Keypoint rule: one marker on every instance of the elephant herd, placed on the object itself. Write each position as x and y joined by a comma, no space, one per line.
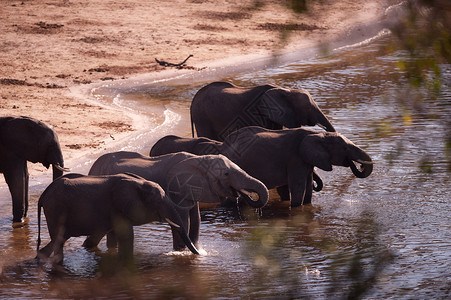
249,140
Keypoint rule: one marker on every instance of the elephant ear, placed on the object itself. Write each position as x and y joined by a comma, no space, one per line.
186,184
275,106
313,152
127,200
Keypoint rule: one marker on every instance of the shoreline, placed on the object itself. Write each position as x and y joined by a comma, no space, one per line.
48,87
357,35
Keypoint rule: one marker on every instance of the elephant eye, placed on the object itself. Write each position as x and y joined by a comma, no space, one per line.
226,173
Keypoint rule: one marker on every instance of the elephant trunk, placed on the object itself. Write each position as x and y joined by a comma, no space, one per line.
319,182
184,236
366,167
54,157
168,211
253,185
57,171
324,123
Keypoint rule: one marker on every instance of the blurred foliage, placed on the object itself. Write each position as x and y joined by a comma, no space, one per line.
425,33
352,268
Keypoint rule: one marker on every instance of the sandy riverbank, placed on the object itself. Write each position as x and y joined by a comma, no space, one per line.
51,47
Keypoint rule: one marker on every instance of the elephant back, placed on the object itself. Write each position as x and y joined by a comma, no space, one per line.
20,135
212,101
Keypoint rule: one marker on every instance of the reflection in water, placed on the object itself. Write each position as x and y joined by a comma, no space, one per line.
390,230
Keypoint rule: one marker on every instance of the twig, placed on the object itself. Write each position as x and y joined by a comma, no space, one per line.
168,64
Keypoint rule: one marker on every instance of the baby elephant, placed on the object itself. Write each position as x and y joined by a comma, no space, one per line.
78,205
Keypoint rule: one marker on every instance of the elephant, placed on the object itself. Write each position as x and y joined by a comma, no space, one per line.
220,108
202,146
283,157
187,179
174,144
79,205
25,139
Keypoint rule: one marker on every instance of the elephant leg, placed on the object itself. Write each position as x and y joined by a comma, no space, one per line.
125,241
284,192
16,176
58,251
111,241
194,224
58,236
93,240
308,189
46,251
300,184
112,235
55,247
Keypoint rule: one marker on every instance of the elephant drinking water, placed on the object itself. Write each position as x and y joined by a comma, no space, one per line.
280,157
187,179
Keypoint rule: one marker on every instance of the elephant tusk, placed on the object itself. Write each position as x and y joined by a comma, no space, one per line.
172,223
364,162
245,192
249,194
57,166
321,126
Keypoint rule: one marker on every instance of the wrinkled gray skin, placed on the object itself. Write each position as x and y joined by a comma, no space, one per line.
221,108
25,139
187,179
78,205
283,157
202,146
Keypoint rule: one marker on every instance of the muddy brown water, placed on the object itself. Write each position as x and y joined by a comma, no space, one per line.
388,235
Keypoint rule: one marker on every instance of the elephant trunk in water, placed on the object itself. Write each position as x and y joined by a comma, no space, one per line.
184,236
366,165
170,214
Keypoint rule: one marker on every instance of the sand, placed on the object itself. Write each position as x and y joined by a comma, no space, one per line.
50,48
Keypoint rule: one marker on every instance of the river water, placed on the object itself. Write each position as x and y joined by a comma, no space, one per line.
385,236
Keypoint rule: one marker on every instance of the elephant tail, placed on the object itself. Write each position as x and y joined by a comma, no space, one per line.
39,225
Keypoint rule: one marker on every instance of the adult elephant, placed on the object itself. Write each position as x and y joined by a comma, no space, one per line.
78,205
202,146
285,157
187,180
220,108
25,139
